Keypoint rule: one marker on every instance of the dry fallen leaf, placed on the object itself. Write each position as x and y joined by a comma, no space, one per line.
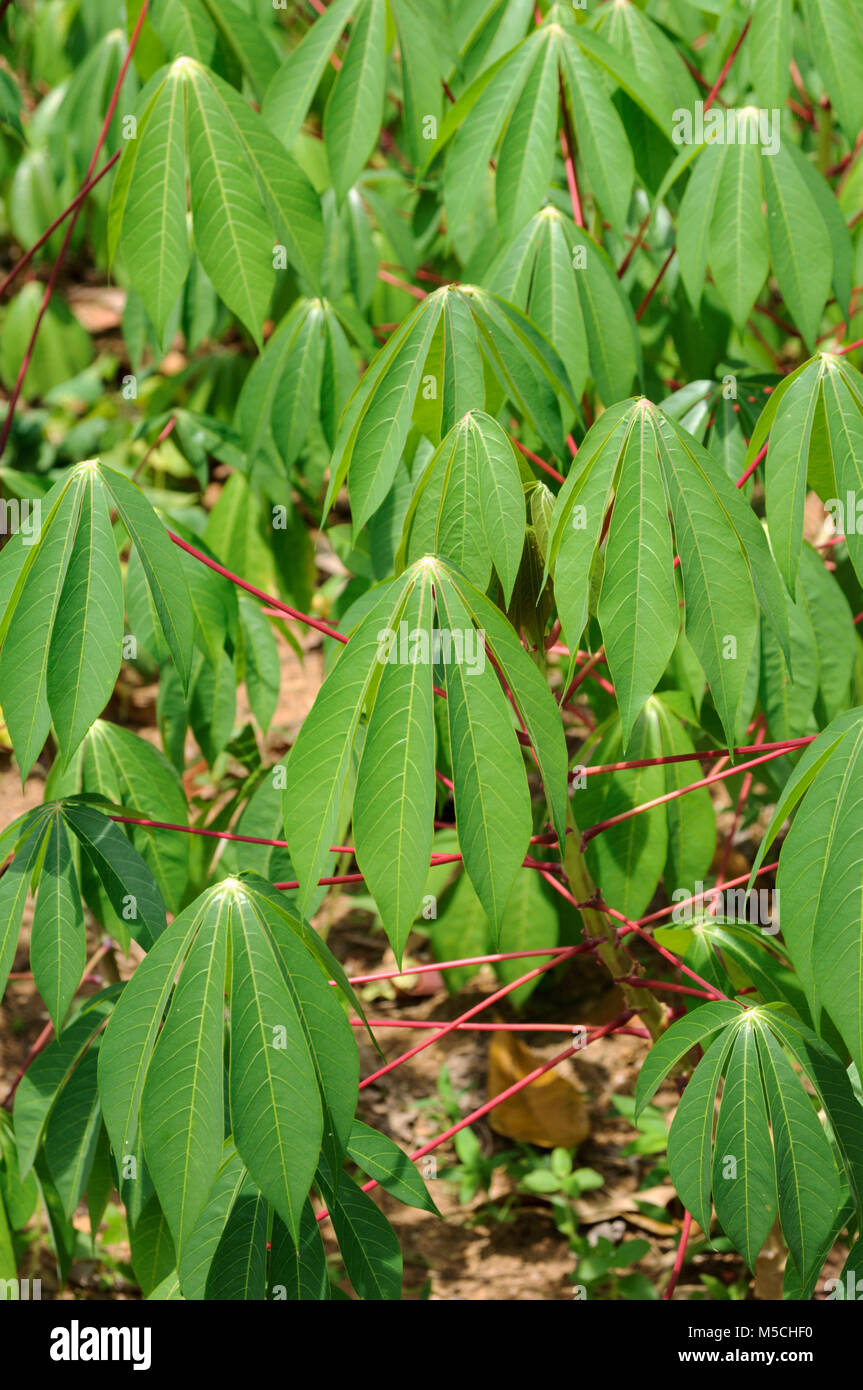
550,1112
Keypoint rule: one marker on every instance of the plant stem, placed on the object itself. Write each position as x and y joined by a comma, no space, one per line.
597,926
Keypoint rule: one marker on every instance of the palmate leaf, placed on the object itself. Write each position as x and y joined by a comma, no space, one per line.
770,1150
468,506
492,803
134,775
721,225
725,563
377,418
306,360
124,876
565,282
242,191
293,1060
814,421
514,103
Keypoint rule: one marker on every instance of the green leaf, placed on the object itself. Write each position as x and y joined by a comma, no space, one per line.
696,218
147,216
527,150
395,797
418,39
579,512
834,1089
128,883
72,1133
738,251
271,411
353,114
14,888
769,50
638,610
238,1271
29,623
602,142
833,626
786,468
127,1048
232,237
691,819
744,1169
807,1180
813,759
290,92
287,194
299,1270
821,889
627,858
800,245
690,1139
368,1244
844,415
43,1082
197,1254
477,119
182,1112
721,607
58,946
86,642
380,1157
319,760
250,42
491,798
679,1039
835,35
329,1037
534,702
134,775
153,1256
165,578
275,1104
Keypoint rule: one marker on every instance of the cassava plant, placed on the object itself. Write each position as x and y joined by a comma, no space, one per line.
506,351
